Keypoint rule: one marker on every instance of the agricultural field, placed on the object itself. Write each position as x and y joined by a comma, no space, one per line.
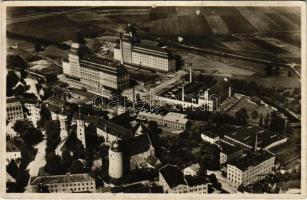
211,66
291,49
47,28
217,25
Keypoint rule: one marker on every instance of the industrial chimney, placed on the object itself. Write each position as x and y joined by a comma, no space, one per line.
121,49
256,142
182,95
190,73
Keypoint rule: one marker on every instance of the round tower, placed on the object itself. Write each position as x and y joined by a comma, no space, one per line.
63,126
116,168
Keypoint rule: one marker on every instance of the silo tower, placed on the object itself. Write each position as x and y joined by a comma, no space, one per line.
63,124
116,164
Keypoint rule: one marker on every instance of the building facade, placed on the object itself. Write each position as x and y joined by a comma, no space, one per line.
34,112
94,72
144,56
173,181
14,110
171,119
70,183
251,168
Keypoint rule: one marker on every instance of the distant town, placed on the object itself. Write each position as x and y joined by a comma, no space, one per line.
153,100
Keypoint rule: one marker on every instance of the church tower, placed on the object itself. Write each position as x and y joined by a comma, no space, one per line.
63,125
116,164
81,130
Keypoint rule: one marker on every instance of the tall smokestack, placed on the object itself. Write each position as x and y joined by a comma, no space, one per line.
150,98
133,98
190,74
229,91
256,142
182,95
121,49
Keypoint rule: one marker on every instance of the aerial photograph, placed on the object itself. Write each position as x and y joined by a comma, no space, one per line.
156,99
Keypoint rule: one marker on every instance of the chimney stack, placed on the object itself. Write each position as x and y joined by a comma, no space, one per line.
121,49
182,95
150,93
256,142
133,97
229,91
190,73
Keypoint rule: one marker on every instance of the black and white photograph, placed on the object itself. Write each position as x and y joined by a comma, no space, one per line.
148,98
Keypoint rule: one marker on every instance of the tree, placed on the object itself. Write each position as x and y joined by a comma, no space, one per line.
45,115
21,125
15,62
37,47
77,167
242,116
269,69
11,80
32,136
53,164
289,73
261,121
254,114
277,123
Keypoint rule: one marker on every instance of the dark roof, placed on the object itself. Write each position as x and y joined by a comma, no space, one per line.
219,89
247,136
102,64
195,180
252,159
112,128
172,175
228,148
136,145
61,179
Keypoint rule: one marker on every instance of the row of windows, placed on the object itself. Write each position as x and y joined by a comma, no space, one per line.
13,108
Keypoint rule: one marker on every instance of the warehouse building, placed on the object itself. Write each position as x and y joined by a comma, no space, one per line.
63,183
94,72
250,168
173,180
144,56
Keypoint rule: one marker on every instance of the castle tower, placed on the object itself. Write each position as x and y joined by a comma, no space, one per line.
116,164
63,125
81,130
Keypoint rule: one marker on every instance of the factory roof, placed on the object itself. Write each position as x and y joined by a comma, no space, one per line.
69,178
251,160
176,117
111,128
149,114
227,147
136,145
174,177
247,135
171,116
102,64
152,50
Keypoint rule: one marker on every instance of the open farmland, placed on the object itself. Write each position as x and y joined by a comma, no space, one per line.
217,25
46,28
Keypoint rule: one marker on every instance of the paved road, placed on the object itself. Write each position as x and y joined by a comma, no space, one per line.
39,160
